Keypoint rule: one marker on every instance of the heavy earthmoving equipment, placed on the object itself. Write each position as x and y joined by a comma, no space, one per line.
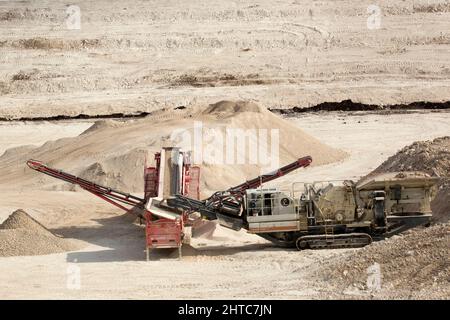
327,214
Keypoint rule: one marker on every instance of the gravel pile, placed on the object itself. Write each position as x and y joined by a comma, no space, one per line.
21,235
431,157
19,219
414,265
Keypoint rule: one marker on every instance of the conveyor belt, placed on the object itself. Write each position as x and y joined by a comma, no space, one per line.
114,197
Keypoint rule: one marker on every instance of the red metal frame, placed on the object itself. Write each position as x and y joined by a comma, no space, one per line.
161,232
256,182
110,195
151,176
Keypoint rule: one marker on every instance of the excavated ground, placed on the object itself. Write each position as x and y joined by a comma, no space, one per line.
433,158
246,262
158,66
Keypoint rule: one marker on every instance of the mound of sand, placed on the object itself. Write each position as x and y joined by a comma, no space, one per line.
114,155
230,108
19,219
412,265
213,231
431,157
21,235
100,124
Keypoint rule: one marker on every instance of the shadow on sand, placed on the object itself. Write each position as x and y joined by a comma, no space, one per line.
125,241
120,237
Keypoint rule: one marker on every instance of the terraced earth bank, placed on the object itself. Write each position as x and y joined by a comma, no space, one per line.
139,56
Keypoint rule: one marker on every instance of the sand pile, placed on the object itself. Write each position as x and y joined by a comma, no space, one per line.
413,265
21,235
230,108
113,153
212,233
244,118
431,157
123,172
19,219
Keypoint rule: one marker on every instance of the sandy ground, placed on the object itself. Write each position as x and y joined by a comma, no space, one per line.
15,134
133,56
228,265
369,138
143,55
113,153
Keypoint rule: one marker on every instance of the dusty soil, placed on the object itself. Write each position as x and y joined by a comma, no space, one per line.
134,56
16,134
172,62
245,262
21,235
414,265
433,158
